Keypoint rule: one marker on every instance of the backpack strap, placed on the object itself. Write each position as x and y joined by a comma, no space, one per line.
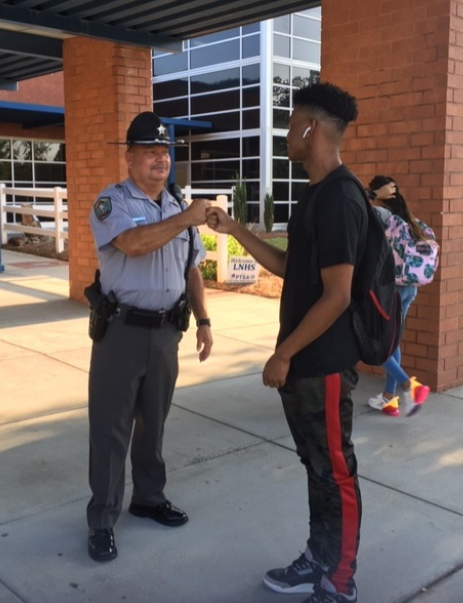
309,223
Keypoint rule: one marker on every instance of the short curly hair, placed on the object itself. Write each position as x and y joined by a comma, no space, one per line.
329,101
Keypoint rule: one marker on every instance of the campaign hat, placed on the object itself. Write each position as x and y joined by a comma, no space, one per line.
148,129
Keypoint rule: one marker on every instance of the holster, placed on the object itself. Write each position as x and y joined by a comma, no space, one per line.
102,308
181,312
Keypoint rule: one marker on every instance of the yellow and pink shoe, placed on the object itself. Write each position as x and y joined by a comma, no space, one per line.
388,407
414,397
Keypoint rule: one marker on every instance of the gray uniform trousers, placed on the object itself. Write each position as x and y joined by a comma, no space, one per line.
133,371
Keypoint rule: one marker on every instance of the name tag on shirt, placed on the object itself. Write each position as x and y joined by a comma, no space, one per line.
139,219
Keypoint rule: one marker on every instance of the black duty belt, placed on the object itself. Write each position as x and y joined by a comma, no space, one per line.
143,318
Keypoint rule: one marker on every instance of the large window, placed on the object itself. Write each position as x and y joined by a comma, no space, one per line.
298,36
219,80
32,163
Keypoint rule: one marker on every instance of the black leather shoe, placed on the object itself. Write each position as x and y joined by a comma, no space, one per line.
164,513
101,544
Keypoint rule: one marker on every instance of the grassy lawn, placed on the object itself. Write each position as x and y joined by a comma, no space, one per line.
280,242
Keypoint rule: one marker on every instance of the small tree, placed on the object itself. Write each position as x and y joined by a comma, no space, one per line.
269,202
240,202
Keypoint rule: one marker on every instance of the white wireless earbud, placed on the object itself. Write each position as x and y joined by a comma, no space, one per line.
306,131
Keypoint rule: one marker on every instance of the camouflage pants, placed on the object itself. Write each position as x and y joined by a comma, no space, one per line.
319,412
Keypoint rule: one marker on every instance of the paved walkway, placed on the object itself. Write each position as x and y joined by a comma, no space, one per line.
231,466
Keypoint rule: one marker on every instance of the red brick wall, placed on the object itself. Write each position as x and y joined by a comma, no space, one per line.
105,86
395,57
44,90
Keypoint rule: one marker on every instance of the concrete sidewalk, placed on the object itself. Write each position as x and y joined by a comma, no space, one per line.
231,466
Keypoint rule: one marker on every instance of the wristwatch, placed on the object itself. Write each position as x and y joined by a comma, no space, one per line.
203,321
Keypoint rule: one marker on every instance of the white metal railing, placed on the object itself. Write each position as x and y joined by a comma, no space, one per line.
55,210
58,211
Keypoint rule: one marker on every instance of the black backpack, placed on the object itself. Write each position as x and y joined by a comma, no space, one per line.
375,306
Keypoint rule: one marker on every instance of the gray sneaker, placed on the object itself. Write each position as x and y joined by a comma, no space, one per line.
298,578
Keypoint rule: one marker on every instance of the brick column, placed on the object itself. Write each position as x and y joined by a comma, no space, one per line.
404,63
105,86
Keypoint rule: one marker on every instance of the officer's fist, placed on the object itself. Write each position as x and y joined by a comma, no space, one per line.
197,211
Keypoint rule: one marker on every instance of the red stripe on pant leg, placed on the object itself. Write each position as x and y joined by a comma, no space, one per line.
346,484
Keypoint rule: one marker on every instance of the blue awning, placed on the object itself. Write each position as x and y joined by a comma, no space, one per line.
31,116
37,116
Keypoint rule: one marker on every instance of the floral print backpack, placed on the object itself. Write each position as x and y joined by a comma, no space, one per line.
416,261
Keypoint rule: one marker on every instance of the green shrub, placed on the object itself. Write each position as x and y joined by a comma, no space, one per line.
239,200
208,268
269,207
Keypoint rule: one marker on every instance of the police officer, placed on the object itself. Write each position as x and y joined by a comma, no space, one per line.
142,238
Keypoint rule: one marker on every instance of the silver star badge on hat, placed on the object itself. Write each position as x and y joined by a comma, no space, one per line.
161,130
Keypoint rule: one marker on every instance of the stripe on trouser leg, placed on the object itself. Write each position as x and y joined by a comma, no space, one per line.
346,484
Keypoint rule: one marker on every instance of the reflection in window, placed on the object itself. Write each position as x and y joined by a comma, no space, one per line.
29,163
213,55
5,171
253,213
281,73
48,151
303,77
251,74
173,108
22,171
171,89
219,101
170,64
224,121
251,97
217,80
280,118
251,146
306,28
215,170
281,46
22,150
251,28
281,96
251,168
281,168
50,172
280,212
315,12
5,149
182,153
215,37
281,191
251,46
280,146
251,119
282,24
306,51
215,149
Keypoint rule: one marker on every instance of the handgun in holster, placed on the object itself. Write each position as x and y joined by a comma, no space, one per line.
181,312
102,308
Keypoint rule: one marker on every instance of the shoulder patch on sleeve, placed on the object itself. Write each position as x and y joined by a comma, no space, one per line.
102,208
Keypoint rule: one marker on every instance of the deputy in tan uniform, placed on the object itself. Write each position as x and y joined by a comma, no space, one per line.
142,237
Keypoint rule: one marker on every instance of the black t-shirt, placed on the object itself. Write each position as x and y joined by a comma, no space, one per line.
340,223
